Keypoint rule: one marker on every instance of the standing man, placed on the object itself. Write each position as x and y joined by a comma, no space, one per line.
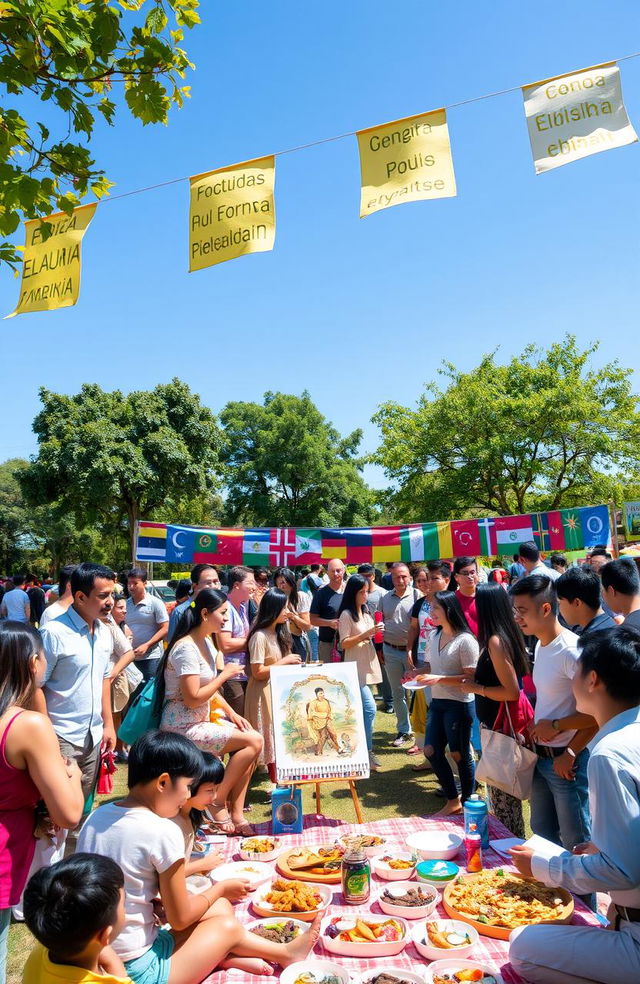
387,578
202,576
65,598
580,601
621,589
559,799
516,569
530,560
598,558
465,571
148,620
76,689
35,595
396,607
324,609
233,638
15,603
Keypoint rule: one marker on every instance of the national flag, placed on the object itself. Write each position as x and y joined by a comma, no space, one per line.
282,547
386,546
556,530
334,546
487,529
151,543
445,541
540,524
255,548
184,541
573,539
218,547
513,530
359,544
308,546
465,537
594,521
412,545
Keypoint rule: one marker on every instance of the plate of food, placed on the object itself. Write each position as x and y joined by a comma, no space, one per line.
314,972
460,972
258,848
318,864
295,899
371,843
278,930
394,866
496,901
373,937
438,939
435,845
392,975
256,872
408,900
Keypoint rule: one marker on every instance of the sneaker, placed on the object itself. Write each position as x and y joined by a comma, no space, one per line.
374,765
388,709
400,740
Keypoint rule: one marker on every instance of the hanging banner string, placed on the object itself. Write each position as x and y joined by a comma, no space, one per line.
343,136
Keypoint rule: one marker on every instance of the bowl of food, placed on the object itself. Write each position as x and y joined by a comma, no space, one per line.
371,844
292,899
278,930
438,939
396,866
439,874
312,971
460,972
408,900
438,845
258,848
391,975
373,937
255,872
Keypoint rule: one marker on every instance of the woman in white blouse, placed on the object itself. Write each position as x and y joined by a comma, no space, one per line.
298,606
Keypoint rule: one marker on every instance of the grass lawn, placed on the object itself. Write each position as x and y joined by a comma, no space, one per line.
395,791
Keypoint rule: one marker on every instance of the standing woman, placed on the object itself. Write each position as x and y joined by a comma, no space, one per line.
298,606
186,681
269,645
452,655
357,628
31,767
498,677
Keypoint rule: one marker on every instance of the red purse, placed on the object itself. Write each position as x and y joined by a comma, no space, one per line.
521,712
105,775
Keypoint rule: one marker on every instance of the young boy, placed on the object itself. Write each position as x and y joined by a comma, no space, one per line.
139,834
580,602
75,909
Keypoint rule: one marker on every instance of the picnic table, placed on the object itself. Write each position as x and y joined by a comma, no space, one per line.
319,830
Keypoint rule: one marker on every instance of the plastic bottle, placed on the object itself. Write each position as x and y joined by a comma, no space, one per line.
476,812
379,636
473,849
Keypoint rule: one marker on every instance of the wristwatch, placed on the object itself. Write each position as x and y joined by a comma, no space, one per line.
555,725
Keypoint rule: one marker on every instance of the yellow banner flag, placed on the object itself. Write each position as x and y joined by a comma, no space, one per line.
51,267
406,161
232,212
576,115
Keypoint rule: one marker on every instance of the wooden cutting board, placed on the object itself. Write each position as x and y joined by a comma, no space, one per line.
304,875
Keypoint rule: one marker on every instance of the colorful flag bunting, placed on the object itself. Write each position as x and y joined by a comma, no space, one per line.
308,547
572,529
152,541
465,537
594,521
255,547
512,530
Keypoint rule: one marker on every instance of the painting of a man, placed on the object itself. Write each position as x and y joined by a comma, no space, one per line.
320,722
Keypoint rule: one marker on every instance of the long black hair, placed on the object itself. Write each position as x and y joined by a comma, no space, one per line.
448,601
212,771
19,642
287,574
206,600
348,604
495,618
271,605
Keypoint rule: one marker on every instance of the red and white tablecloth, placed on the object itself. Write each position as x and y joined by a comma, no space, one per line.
322,830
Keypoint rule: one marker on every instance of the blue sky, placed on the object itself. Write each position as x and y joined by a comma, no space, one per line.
356,311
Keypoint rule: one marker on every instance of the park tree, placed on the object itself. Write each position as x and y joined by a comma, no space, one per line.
285,465
548,429
78,58
101,454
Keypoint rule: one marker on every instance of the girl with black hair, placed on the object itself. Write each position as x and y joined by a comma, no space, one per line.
187,681
498,677
298,606
452,655
357,628
269,644
192,814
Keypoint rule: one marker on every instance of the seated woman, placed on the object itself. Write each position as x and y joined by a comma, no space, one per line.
607,686
187,680
139,834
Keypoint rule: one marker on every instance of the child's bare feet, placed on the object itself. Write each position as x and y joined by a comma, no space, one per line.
299,948
250,965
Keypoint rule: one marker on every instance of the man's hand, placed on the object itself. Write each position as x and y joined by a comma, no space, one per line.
521,857
564,765
543,731
109,738
332,623
141,651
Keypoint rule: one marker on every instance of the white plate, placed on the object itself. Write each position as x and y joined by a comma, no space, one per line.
303,927
431,952
371,852
319,968
253,856
399,972
370,950
408,911
264,908
382,869
451,966
435,845
413,685
255,872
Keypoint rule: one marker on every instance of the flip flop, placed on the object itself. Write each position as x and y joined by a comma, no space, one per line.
423,767
414,750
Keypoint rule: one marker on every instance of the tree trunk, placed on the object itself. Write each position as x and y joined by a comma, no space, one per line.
133,514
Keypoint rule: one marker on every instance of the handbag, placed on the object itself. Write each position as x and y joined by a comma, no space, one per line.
519,718
336,655
141,716
105,775
506,763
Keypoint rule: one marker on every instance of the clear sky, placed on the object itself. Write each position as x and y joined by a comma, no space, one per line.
356,311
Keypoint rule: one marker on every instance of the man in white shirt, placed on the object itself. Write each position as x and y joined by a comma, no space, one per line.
65,598
607,686
396,609
529,557
559,799
233,638
148,620
15,603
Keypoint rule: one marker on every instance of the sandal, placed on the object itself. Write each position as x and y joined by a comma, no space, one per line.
414,750
244,829
222,824
423,767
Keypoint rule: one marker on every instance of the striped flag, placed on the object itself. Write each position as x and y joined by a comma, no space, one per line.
152,541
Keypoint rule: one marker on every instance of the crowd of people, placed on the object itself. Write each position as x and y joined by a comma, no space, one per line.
556,645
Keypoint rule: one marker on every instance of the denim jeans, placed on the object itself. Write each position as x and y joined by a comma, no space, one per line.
5,922
384,688
312,633
449,723
369,712
395,661
147,667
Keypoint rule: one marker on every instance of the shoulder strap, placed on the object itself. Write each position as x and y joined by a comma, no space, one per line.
6,731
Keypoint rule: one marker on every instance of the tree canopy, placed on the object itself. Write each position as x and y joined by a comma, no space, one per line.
76,56
548,429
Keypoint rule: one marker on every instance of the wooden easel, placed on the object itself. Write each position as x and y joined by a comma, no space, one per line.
352,789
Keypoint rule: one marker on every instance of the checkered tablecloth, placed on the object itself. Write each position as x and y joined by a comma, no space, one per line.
322,830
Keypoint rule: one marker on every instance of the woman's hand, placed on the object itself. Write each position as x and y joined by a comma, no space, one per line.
232,670
468,686
376,627
235,889
290,660
241,723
